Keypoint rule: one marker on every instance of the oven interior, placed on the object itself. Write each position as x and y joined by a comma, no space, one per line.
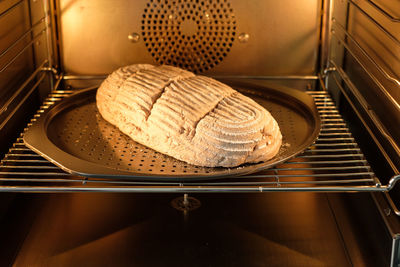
333,205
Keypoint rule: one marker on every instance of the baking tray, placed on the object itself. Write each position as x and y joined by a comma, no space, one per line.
73,135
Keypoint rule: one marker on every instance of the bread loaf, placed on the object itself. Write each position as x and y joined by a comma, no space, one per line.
192,118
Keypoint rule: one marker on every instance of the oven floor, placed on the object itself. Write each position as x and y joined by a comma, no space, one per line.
276,229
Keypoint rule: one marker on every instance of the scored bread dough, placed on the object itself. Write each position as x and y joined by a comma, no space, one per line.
190,117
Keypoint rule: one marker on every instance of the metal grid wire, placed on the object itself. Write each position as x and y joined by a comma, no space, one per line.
333,163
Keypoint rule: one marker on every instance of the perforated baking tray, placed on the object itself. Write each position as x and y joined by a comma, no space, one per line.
74,136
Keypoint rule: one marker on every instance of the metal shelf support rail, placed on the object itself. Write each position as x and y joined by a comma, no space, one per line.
364,52
20,89
393,38
364,104
25,34
343,75
375,22
42,20
384,12
5,12
354,91
333,164
351,87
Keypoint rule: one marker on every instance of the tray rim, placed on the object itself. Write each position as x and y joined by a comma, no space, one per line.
36,138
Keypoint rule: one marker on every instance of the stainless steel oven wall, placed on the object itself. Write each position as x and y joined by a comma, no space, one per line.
365,50
221,37
22,39
13,25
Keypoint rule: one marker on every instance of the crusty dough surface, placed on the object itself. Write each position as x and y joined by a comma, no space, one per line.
192,118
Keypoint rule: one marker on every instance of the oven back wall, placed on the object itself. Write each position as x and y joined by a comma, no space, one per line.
226,37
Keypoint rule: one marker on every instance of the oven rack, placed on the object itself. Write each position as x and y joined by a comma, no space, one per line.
334,163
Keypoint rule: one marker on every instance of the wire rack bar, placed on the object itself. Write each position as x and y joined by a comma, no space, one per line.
188,189
77,181
258,77
334,163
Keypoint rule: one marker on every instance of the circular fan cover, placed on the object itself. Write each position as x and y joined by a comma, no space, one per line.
191,34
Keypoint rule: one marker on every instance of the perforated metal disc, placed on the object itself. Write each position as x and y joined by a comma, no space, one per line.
73,135
193,34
